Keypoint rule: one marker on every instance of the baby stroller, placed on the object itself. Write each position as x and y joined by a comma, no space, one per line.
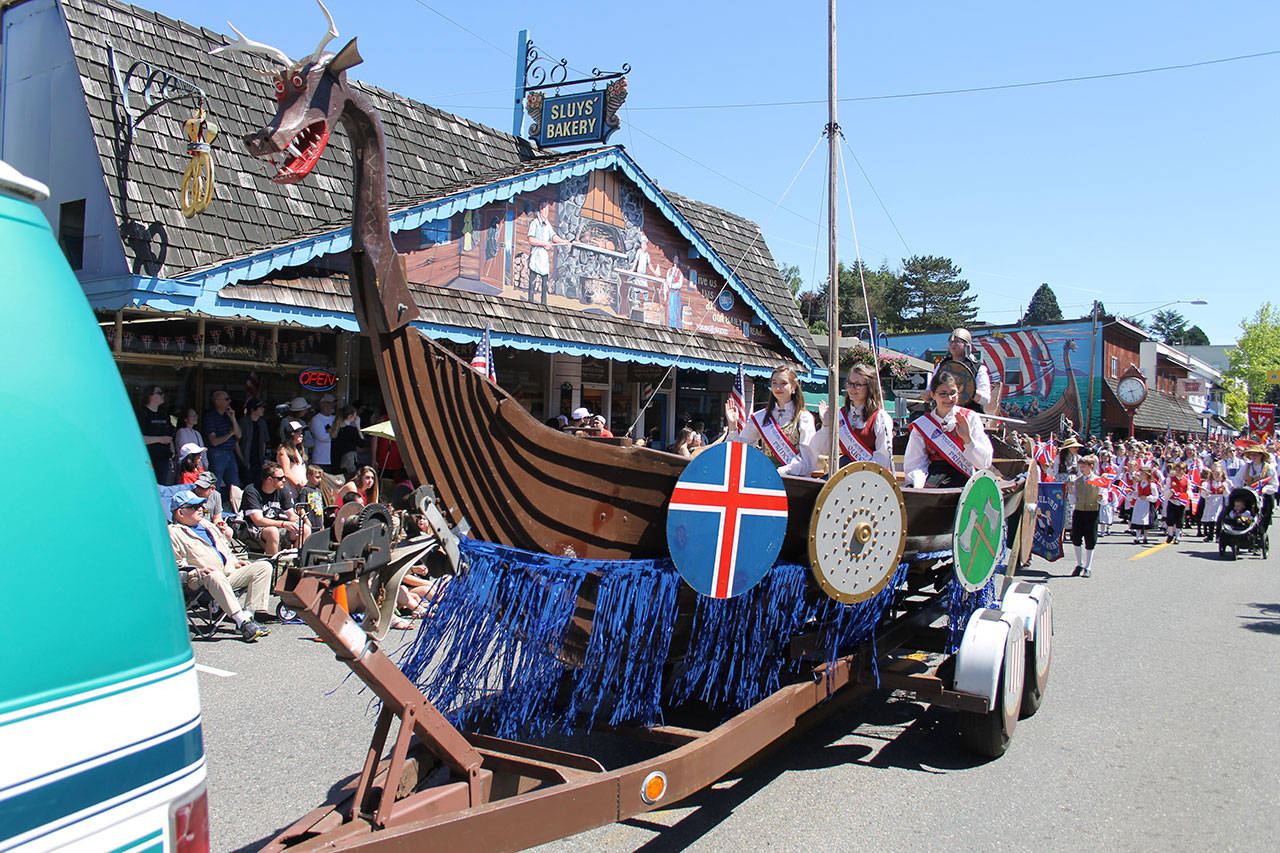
1248,533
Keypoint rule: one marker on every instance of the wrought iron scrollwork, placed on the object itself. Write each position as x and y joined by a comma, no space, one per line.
157,87
541,71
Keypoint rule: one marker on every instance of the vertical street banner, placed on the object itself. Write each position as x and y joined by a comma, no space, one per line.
1051,519
1262,419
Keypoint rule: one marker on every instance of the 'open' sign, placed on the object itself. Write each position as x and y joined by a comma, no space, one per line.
317,379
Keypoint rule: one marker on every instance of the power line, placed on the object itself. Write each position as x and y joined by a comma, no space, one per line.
466,30
972,89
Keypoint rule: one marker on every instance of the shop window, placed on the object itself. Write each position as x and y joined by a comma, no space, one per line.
602,198
71,232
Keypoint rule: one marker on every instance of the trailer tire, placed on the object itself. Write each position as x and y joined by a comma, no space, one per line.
989,734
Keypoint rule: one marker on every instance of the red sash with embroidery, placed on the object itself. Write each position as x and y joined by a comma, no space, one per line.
853,443
943,444
782,448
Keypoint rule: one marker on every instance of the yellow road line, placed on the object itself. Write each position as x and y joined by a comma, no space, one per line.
1149,551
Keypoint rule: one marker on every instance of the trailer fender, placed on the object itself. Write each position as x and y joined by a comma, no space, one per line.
1033,604
991,638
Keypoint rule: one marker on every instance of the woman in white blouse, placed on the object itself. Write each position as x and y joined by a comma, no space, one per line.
784,428
948,444
865,428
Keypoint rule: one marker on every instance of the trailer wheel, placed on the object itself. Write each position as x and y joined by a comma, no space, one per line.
1039,652
989,734
285,613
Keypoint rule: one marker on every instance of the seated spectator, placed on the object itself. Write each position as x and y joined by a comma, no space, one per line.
200,549
362,487
271,522
189,463
314,497
597,428
206,486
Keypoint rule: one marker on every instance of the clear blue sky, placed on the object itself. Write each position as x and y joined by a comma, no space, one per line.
1135,190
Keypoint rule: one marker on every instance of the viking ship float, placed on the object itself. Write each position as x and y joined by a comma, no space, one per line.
565,611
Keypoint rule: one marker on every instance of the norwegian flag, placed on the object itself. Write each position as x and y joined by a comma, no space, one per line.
738,397
1120,491
482,361
1194,480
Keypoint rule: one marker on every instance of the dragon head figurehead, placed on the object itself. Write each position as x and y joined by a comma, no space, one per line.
311,95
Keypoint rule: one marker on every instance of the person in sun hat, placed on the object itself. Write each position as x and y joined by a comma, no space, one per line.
323,426
295,410
190,458
200,549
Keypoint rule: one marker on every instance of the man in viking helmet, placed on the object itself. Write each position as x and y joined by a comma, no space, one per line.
960,348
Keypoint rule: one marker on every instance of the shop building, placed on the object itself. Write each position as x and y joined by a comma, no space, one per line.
1066,373
645,295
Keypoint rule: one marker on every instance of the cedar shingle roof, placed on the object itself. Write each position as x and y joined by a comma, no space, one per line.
740,244
1160,411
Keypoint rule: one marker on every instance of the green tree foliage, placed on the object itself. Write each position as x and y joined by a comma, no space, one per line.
791,275
1169,326
1237,399
1256,352
1098,309
936,296
883,292
1195,337
1043,308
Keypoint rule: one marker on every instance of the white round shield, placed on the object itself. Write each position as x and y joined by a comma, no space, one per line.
858,532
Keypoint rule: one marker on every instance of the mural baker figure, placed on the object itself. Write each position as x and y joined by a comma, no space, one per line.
542,237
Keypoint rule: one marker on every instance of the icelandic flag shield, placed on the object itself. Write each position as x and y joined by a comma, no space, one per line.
727,519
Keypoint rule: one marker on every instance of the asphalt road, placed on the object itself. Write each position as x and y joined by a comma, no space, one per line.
1160,729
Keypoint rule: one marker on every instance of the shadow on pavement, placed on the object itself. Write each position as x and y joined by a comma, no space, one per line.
1270,618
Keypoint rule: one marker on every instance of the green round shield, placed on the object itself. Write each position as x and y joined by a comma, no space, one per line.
979,531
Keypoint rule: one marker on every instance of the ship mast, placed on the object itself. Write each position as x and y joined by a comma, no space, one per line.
833,289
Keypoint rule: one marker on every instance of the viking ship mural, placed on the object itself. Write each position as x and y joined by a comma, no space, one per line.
569,606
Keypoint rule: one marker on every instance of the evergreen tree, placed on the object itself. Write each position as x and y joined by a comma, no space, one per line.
1195,337
1169,326
935,296
1043,308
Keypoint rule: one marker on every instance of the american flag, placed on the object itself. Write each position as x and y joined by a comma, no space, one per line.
738,398
482,361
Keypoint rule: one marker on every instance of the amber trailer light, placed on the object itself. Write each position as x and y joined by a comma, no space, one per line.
654,787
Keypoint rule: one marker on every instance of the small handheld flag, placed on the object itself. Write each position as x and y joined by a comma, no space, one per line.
482,361
738,397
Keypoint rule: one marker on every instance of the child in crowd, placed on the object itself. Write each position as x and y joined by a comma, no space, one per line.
1177,491
313,497
1145,495
1084,518
1214,493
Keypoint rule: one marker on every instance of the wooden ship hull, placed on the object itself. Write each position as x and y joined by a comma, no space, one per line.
520,483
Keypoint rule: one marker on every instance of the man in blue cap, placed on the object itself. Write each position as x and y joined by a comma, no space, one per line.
202,550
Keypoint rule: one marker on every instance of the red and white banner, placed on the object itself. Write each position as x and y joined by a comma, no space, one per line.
1262,418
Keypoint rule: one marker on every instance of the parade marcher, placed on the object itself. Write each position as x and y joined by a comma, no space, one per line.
1145,495
1106,497
960,348
784,428
947,445
157,433
1213,492
1177,494
200,549
865,428
1084,518
1259,474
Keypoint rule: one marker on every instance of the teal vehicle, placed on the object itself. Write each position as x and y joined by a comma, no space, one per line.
100,739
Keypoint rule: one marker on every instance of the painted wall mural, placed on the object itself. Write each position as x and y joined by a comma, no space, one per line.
583,245
1044,371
